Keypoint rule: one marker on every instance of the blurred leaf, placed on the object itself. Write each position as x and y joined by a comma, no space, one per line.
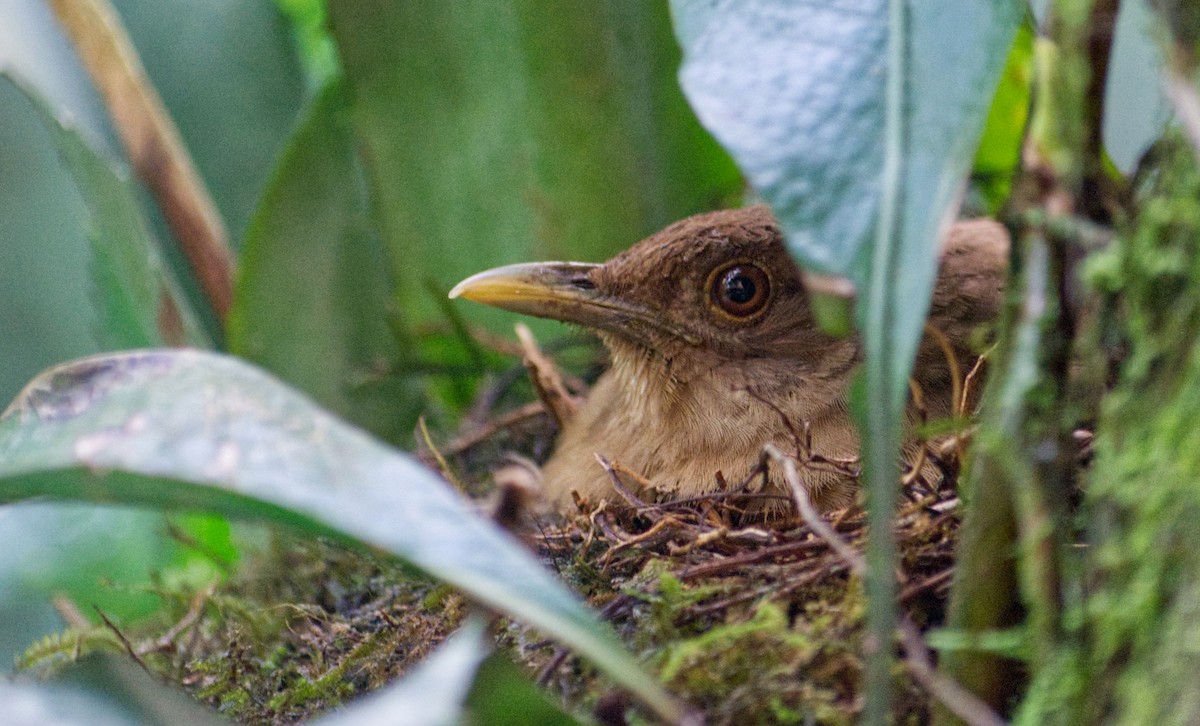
55,147
33,48
194,430
316,45
101,691
228,73
136,303
44,251
501,132
434,694
1135,110
457,684
504,694
93,554
796,92
311,299
999,152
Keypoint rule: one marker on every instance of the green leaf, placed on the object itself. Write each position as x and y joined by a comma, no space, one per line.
999,152
44,251
504,694
136,304
230,78
195,430
46,303
312,292
1135,110
101,691
796,92
504,132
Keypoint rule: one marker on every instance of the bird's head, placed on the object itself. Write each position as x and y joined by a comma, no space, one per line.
717,286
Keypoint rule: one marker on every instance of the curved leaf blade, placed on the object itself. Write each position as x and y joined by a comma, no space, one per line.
794,91
101,690
197,430
311,297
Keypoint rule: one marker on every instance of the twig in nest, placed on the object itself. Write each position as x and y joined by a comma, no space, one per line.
975,372
918,401
927,584
661,530
443,465
546,379
957,402
917,660
736,562
809,513
951,693
776,589
623,490
516,416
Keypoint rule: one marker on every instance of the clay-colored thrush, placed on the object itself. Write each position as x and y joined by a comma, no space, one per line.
715,353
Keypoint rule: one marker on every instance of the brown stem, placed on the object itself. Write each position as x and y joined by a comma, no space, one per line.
154,145
1097,197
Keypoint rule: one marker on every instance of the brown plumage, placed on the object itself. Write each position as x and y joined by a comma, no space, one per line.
711,338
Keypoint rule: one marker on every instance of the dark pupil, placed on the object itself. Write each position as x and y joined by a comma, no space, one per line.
739,288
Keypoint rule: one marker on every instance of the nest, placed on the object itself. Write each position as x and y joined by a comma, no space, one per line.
752,620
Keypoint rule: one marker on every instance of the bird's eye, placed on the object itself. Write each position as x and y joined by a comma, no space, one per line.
740,290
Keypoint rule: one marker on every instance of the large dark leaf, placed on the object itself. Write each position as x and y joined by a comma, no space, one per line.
504,132
312,295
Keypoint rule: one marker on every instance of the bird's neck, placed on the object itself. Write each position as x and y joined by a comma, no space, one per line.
708,400
649,383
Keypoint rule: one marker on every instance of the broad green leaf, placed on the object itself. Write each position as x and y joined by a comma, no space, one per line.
797,92
136,303
45,303
312,293
101,691
46,315
1135,109
195,430
504,132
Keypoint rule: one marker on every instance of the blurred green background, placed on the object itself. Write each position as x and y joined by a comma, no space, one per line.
365,156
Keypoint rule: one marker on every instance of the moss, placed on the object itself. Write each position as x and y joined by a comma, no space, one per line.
1138,623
